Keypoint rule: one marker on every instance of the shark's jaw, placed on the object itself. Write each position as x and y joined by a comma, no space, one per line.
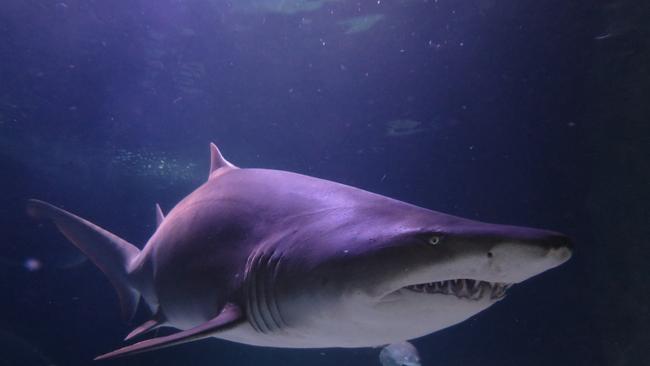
478,263
477,275
467,289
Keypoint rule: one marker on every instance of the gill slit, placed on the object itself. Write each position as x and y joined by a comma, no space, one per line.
251,295
261,304
262,308
272,295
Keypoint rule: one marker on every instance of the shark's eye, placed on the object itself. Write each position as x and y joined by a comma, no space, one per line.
434,239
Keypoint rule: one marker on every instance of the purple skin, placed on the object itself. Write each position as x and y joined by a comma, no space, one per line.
278,259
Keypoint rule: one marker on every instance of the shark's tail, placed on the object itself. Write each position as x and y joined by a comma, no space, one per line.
112,254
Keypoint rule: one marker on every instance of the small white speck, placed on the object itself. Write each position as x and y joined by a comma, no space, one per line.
32,264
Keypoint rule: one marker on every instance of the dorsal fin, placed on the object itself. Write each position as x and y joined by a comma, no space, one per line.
217,161
159,215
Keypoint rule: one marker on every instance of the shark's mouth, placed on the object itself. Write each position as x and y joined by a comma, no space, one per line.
465,289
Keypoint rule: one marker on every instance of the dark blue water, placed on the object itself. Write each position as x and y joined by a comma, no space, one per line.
524,112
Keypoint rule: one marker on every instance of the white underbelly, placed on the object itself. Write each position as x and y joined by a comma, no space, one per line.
283,338
291,338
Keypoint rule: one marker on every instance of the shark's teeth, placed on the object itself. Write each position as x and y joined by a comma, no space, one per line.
464,288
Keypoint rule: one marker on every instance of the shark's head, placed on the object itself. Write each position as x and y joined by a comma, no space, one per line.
402,274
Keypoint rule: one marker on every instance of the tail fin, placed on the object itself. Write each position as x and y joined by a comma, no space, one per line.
111,254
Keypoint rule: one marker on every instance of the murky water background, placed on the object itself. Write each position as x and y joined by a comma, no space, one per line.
527,112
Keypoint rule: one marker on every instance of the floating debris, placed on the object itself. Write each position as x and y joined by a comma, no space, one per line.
403,127
288,7
60,260
399,354
154,164
361,23
32,264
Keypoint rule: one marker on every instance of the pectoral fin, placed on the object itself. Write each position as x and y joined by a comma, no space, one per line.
230,316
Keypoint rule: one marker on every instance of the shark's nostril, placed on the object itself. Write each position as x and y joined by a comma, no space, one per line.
490,254
562,253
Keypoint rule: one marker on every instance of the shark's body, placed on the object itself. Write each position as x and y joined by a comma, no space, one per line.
273,258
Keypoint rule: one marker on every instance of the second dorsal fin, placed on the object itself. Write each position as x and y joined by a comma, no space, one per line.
217,162
155,322
159,215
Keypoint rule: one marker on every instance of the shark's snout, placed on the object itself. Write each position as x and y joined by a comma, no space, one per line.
556,246
521,253
547,238
471,260
559,246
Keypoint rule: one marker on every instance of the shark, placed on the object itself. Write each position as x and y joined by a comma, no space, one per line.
278,259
